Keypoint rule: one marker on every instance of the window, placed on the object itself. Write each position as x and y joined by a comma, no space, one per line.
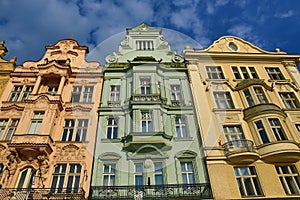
20,93
274,73
289,179
262,132
176,92
26,178
254,96
233,132
180,126
214,72
112,129
298,127
223,100
289,99
243,72
109,174
187,173
115,93
138,174
36,123
145,86
144,45
147,122
277,129
82,94
52,89
158,173
66,176
247,181
72,126
9,130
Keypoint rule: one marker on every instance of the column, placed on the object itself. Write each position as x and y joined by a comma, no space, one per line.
37,85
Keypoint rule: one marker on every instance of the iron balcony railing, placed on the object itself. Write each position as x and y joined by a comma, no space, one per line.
42,193
182,191
238,146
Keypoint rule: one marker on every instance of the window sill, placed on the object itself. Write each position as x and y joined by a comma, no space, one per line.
183,139
105,140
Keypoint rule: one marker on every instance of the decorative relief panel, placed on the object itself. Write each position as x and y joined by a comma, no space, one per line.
70,152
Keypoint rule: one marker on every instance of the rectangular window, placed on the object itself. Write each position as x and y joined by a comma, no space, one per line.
13,124
247,181
254,96
233,132
144,45
145,85
223,100
289,178
249,97
138,174
176,92
243,72
289,99
277,129
259,93
109,174
20,93
187,173
180,126
82,94
72,126
112,129
36,123
158,173
274,73
262,132
66,176
115,93
214,72
147,122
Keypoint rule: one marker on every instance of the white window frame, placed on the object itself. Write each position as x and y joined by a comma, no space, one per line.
145,85
274,73
110,174
214,72
176,93
36,122
181,127
187,169
146,118
290,101
289,180
244,72
75,130
255,95
115,93
225,97
21,94
85,94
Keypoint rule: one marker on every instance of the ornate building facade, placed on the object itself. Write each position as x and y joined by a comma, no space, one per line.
6,66
48,122
247,103
148,143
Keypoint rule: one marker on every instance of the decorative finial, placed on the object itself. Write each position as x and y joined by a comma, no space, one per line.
71,35
277,50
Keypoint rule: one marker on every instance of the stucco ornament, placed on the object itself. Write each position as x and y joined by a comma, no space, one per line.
111,58
10,169
177,58
43,164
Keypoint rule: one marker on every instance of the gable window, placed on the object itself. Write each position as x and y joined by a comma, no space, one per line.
289,178
82,94
289,99
36,123
109,174
223,100
112,129
144,45
75,130
214,72
180,126
115,93
66,176
255,95
20,93
147,122
247,181
274,73
145,86
243,72
176,92
187,173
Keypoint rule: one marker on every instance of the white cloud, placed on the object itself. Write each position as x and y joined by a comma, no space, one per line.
287,14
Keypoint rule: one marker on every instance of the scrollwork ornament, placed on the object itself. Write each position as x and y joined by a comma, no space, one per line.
111,58
178,59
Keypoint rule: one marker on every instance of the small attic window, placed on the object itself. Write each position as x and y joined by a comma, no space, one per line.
144,45
232,46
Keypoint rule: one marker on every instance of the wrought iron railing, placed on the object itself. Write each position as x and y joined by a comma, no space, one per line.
41,193
238,146
182,191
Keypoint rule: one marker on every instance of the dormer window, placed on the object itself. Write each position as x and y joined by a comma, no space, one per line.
144,45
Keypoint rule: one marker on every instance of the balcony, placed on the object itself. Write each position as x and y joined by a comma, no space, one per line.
29,146
279,151
134,141
146,99
43,193
260,109
240,151
174,191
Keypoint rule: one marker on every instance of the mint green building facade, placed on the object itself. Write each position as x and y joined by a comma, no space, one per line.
147,143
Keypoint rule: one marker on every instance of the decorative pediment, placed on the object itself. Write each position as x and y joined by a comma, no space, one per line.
249,82
77,107
12,107
109,156
238,45
143,27
147,151
185,154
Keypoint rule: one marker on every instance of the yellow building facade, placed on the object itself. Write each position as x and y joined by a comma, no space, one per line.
6,66
247,103
48,121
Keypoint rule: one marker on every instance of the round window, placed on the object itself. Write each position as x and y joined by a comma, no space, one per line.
233,46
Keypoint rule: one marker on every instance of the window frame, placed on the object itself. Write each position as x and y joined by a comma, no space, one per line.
244,72
113,127
181,125
214,72
22,94
187,172
176,92
291,102
286,179
145,85
255,95
110,174
84,94
146,119
225,98
115,91
274,73
73,131
36,122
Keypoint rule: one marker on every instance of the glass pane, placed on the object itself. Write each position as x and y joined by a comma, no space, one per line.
138,179
158,179
249,186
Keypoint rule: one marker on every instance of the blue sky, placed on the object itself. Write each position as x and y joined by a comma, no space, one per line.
28,26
